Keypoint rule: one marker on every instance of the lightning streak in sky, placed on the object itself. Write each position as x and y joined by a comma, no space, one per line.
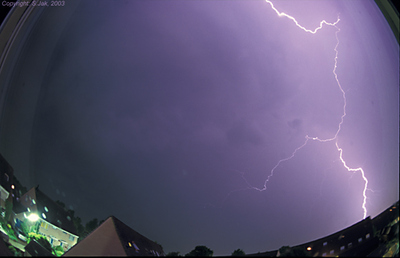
307,138
297,24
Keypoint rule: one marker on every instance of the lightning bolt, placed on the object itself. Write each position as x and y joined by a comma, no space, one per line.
282,14
308,138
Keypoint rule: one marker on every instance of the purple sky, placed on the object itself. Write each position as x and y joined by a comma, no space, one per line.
159,112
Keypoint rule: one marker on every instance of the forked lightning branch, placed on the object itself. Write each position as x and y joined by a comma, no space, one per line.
316,138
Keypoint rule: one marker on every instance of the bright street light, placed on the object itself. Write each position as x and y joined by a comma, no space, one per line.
33,217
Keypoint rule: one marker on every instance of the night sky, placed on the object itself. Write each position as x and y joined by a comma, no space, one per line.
166,113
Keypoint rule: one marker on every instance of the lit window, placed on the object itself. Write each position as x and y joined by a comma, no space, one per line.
332,252
349,245
360,240
367,236
71,237
342,248
135,246
44,225
45,208
29,210
12,186
309,248
33,201
69,218
325,243
44,215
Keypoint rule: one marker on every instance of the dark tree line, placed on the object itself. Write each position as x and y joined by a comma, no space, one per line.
287,251
204,251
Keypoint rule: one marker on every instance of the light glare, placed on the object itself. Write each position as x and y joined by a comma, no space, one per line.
33,217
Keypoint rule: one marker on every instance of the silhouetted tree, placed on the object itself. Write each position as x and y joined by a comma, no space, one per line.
91,225
174,254
80,229
287,251
284,250
200,250
238,252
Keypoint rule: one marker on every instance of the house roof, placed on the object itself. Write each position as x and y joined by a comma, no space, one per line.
18,207
114,238
48,209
